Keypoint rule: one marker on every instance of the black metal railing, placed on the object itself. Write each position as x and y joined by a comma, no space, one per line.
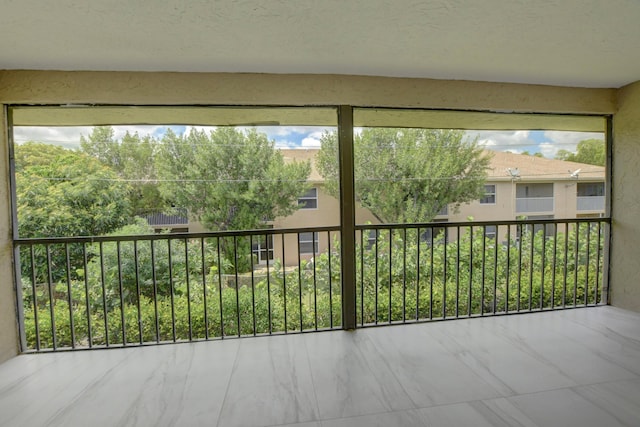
95,292
417,272
88,292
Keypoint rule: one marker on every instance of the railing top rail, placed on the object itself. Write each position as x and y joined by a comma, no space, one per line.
274,231
173,236
481,223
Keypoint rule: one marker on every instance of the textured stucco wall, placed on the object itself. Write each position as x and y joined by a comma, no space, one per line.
294,89
42,87
8,330
625,274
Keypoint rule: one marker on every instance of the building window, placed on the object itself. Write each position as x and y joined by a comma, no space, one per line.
534,197
590,189
262,249
308,243
490,231
489,195
309,200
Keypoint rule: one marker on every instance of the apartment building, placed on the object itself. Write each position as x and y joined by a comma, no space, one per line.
518,187
536,188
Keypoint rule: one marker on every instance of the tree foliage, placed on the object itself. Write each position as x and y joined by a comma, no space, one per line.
409,175
133,159
229,179
65,193
589,151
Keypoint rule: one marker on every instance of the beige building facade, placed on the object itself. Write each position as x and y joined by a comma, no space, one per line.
521,186
517,187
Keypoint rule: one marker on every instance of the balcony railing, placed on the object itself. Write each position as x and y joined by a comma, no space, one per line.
591,203
534,204
95,292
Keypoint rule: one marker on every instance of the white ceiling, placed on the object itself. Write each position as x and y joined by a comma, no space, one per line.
589,43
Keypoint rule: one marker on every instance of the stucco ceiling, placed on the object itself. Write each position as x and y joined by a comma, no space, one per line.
588,43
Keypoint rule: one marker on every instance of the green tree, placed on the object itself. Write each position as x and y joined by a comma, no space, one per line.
65,193
527,153
589,151
409,175
133,159
229,179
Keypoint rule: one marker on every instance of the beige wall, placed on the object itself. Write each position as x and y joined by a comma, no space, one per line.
8,322
504,208
625,274
326,215
33,87
565,203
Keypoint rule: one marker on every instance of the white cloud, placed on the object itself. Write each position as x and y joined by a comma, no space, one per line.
312,140
276,131
206,129
283,143
67,136
548,142
549,149
569,140
502,140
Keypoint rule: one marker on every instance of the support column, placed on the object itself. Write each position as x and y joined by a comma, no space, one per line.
347,216
9,341
625,201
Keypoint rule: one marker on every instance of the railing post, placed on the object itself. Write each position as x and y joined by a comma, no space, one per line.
347,216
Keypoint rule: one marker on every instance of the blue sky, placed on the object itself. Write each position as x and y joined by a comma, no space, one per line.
545,142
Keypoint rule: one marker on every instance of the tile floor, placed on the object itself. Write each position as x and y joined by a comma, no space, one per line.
567,368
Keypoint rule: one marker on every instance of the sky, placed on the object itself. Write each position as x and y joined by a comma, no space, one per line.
546,142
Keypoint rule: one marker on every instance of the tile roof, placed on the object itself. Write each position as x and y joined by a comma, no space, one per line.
531,168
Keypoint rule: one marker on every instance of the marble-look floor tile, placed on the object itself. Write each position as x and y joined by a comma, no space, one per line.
562,408
473,414
408,418
589,328
491,356
585,362
620,399
309,424
429,373
51,389
536,335
621,325
506,411
270,384
159,386
15,371
351,377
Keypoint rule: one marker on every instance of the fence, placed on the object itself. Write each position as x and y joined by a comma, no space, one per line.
94,292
